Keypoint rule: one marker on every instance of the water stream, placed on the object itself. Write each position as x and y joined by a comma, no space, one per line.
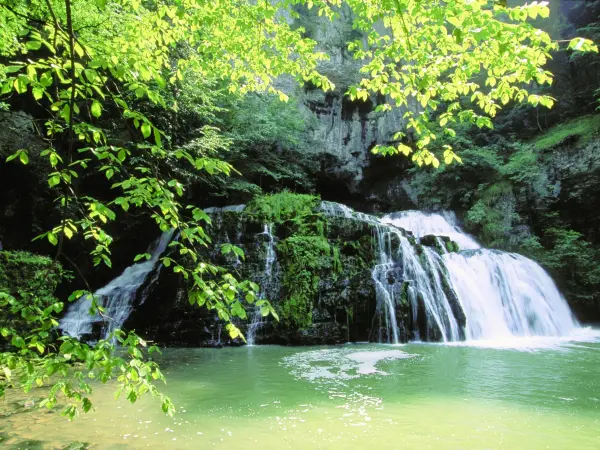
256,317
117,298
501,295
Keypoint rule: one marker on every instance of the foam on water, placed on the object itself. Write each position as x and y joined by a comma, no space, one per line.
575,338
368,360
439,224
339,363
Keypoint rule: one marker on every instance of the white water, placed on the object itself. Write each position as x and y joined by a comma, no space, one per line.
422,224
504,296
256,318
386,302
426,279
340,210
117,297
220,210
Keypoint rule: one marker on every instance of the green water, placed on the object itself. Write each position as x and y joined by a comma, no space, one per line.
414,396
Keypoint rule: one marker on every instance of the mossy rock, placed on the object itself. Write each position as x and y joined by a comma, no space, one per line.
27,272
580,130
452,246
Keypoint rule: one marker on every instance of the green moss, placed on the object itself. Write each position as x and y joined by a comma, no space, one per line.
404,300
30,278
24,272
452,246
282,206
303,258
584,128
338,267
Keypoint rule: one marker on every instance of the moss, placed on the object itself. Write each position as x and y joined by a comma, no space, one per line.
30,278
281,207
24,272
404,300
358,255
452,246
303,258
583,129
338,267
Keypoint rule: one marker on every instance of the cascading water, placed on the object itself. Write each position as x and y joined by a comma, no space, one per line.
503,295
222,209
386,305
425,277
256,318
117,297
507,295
422,224
474,294
398,263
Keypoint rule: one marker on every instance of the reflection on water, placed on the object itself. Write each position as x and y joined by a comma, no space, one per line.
349,397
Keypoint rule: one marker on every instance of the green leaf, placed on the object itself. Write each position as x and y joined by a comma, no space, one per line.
54,180
18,342
96,108
454,21
33,45
52,239
24,157
20,85
146,130
38,92
157,138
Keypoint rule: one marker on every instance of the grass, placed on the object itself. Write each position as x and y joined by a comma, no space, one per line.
585,127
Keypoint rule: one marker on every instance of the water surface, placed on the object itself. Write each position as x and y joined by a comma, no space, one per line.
544,394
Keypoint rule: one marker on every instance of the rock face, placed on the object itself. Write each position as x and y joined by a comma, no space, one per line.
333,276
343,131
340,308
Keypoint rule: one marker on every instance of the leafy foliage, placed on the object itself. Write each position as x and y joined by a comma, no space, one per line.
85,61
283,206
451,62
575,260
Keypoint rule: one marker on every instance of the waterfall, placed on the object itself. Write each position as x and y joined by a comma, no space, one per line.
223,209
475,293
422,224
336,209
425,276
256,317
117,297
507,295
385,292
385,273
503,295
